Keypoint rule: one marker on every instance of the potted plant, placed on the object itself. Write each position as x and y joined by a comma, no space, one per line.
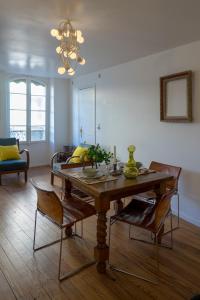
98,155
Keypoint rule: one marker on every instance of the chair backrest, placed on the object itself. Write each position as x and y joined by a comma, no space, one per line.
49,204
161,210
168,169
75,165
9,142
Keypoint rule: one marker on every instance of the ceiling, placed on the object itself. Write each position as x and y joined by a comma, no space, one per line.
115,31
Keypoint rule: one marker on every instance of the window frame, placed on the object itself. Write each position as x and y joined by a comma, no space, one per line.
28,108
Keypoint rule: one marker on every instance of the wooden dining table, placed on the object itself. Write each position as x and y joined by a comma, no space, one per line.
105,192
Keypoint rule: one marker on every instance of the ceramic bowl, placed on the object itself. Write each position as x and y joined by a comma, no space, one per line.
90,172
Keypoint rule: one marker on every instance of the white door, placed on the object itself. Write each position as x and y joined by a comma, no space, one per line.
87,116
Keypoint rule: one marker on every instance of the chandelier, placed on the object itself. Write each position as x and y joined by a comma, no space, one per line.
69,47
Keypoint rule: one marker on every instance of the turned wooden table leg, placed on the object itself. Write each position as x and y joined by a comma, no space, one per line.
67,189
118,205
101,251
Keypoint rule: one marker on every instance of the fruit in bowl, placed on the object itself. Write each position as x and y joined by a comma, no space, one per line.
90,172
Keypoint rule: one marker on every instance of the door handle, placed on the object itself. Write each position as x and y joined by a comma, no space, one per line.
99,126
81,132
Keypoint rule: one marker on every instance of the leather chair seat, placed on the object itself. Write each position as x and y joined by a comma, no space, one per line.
142,214
150,195
76,210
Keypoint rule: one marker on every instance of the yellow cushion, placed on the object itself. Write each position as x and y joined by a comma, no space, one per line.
9,152
82,153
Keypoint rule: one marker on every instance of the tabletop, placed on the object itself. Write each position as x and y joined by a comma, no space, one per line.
117,187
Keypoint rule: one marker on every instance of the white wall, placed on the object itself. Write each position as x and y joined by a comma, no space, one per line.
61,113
58,93
2,103
128,109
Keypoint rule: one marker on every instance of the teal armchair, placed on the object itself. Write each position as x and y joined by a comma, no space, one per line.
14,166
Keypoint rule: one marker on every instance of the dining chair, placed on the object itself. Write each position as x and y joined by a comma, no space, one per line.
56,165
150,217
59,161
15,163
171,185
64,214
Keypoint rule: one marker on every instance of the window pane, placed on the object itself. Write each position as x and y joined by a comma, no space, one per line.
37,89
19,132
20,117
37,118
17,117
18,86
38,133
37,103
17,101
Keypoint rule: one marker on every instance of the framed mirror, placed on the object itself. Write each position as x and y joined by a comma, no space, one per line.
176,97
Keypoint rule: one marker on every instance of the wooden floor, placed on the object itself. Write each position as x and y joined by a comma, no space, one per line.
27,276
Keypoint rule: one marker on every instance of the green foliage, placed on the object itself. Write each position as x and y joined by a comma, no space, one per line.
98,154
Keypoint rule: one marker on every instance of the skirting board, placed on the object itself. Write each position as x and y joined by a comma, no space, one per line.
187,218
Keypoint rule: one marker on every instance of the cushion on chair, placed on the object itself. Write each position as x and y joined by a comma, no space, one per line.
8,141
11,165
79,151
9,152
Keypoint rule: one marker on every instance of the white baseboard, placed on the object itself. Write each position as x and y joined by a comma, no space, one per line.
187,218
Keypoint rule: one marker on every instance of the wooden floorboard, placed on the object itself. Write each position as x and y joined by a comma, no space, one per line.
24,275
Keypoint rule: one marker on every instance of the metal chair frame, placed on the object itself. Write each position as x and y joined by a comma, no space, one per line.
156,244
178,215
176,193
69,274
175,190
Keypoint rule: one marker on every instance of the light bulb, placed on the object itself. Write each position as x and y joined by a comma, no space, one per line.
82,61
65,53
61,70
71,72
78,34
54,32
59,37
73,55
58,49
66,33
80,40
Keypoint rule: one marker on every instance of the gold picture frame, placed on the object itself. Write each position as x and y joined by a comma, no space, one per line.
176,97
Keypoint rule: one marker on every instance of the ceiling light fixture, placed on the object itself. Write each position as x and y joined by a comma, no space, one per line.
68,50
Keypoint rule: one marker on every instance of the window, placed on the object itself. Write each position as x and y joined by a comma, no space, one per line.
38,112
27,110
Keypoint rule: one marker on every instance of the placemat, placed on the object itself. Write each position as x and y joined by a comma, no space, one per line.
104,178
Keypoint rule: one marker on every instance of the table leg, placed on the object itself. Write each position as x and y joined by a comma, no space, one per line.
101,251
118,205
67,189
